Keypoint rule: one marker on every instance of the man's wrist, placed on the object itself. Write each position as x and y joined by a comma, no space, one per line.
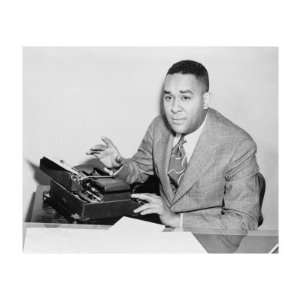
174,220
120,161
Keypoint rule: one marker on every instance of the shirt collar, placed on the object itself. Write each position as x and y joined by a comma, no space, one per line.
193,137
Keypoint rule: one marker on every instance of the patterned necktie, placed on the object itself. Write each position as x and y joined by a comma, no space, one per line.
178,164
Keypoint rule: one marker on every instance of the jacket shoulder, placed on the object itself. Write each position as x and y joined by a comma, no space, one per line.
158,124
229,130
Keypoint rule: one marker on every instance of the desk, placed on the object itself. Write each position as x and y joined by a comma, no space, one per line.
41,215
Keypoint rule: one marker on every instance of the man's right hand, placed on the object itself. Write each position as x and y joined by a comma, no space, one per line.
107,153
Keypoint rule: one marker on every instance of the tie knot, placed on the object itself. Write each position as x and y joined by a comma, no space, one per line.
182,140
178,148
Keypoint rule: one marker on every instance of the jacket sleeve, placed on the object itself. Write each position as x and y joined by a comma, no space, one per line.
240,210
140,166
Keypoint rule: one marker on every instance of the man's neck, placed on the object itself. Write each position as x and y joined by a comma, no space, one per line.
199,124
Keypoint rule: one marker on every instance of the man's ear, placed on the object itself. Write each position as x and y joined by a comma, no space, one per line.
206,100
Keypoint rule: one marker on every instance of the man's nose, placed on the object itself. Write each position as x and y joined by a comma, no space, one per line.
175,106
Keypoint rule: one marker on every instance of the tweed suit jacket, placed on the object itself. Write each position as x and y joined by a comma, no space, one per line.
219,189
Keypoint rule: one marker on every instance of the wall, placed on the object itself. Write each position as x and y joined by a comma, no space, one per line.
73,96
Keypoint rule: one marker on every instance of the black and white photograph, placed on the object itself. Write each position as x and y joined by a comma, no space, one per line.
150,150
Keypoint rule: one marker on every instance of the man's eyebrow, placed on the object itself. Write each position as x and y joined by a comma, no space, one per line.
186,91
181,91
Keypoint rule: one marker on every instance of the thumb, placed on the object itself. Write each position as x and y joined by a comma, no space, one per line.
109,172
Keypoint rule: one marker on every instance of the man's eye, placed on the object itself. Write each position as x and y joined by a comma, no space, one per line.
186,98
167,98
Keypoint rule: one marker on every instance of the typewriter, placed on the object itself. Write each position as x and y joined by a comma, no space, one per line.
86,197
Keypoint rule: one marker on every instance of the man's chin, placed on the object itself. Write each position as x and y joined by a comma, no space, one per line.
178,129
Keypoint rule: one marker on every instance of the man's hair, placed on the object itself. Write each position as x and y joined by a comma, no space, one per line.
191,67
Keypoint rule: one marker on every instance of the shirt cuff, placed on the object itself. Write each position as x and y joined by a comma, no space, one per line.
181,221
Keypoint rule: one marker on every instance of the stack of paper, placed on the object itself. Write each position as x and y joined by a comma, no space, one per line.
128,235
130,225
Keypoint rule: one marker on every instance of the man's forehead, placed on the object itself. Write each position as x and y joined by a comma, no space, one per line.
180,81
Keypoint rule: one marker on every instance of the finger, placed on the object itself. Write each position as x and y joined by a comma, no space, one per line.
143,207
98,147
91,152
108,142
146,196
100,155
150,195
150,211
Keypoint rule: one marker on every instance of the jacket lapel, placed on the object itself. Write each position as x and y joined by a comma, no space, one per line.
163,158
200,158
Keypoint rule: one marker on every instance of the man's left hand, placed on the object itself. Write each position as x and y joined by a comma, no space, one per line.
155,205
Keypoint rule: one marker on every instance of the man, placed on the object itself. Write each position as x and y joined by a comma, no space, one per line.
206,165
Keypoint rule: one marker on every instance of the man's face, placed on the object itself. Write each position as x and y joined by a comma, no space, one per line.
183,102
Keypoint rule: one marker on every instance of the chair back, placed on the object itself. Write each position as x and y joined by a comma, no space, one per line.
262,189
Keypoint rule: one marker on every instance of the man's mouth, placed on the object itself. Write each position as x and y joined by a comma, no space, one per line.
177,120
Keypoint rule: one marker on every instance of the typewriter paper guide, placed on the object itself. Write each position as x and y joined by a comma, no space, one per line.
67,240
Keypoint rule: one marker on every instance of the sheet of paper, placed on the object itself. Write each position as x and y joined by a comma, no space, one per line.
67,240
126,224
